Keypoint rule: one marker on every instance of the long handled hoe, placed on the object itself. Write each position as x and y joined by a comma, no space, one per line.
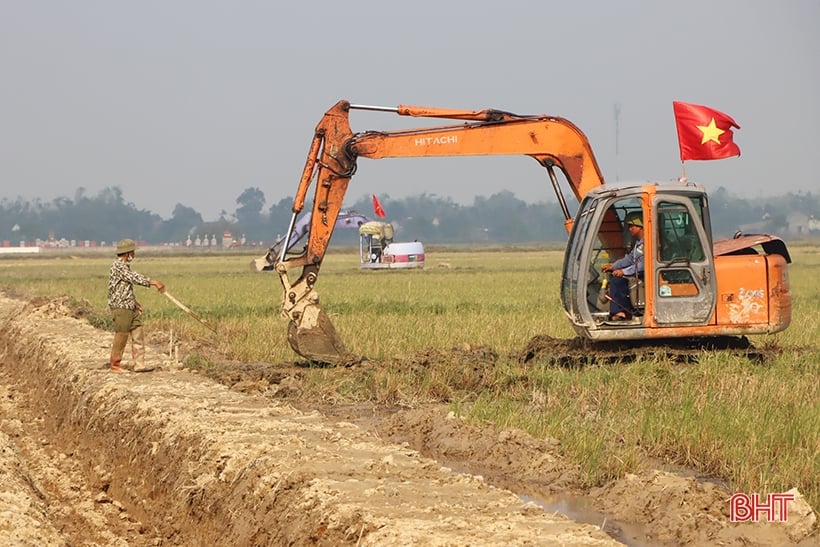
190,312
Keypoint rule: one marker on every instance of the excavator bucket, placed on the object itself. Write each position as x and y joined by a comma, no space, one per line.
314,337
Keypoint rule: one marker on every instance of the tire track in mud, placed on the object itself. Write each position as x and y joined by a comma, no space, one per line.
174,458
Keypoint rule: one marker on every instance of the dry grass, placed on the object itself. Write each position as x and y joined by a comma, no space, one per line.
754,425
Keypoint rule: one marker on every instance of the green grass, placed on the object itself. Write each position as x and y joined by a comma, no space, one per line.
754,425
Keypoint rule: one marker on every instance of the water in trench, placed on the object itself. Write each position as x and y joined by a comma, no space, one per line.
580,509
576,507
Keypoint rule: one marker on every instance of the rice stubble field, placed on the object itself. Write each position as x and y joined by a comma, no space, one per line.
645,451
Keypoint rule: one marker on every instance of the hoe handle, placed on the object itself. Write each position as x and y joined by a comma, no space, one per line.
189,311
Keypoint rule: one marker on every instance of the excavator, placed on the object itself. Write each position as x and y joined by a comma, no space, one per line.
691,288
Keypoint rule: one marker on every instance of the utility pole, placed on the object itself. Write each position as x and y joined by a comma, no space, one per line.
617,135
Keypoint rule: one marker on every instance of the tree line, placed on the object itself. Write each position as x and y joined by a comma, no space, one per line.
499,218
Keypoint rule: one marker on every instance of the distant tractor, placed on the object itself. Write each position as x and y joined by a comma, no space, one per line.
378,251
376,247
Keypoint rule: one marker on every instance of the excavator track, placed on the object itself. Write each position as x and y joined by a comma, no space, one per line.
577,352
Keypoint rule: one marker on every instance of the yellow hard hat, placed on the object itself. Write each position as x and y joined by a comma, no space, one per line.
635,219
126,246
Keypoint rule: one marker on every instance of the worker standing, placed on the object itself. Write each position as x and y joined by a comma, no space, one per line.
125,309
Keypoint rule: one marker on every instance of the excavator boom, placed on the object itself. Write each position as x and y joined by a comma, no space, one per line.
332,162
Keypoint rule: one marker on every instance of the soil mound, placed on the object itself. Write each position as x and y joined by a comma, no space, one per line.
174,458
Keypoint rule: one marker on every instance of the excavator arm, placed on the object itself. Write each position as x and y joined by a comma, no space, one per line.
332,162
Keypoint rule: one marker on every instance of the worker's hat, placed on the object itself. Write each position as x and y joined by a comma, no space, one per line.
634,219
126,246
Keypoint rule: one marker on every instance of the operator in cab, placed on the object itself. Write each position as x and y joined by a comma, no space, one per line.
620,307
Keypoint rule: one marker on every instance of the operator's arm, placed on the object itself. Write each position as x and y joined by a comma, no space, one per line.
631,263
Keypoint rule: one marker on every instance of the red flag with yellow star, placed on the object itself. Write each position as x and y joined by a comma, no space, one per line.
704,133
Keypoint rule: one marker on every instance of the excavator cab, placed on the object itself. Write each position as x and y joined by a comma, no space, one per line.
678,294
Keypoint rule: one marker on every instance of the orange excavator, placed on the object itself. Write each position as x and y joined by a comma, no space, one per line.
690,286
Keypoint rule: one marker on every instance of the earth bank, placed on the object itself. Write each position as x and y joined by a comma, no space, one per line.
89,457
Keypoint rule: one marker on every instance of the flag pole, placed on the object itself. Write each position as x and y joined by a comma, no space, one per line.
683,166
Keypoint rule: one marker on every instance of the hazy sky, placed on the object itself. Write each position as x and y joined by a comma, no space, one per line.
193,101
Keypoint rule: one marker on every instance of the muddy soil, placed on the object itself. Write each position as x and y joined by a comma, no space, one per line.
239,457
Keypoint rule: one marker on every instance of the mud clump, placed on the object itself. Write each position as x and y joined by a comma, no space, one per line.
470,365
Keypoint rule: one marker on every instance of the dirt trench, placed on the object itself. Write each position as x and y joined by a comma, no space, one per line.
90,457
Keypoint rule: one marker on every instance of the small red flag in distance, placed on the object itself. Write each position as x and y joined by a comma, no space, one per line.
377,207
704,133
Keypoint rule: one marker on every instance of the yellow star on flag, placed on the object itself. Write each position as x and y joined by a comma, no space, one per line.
711,132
